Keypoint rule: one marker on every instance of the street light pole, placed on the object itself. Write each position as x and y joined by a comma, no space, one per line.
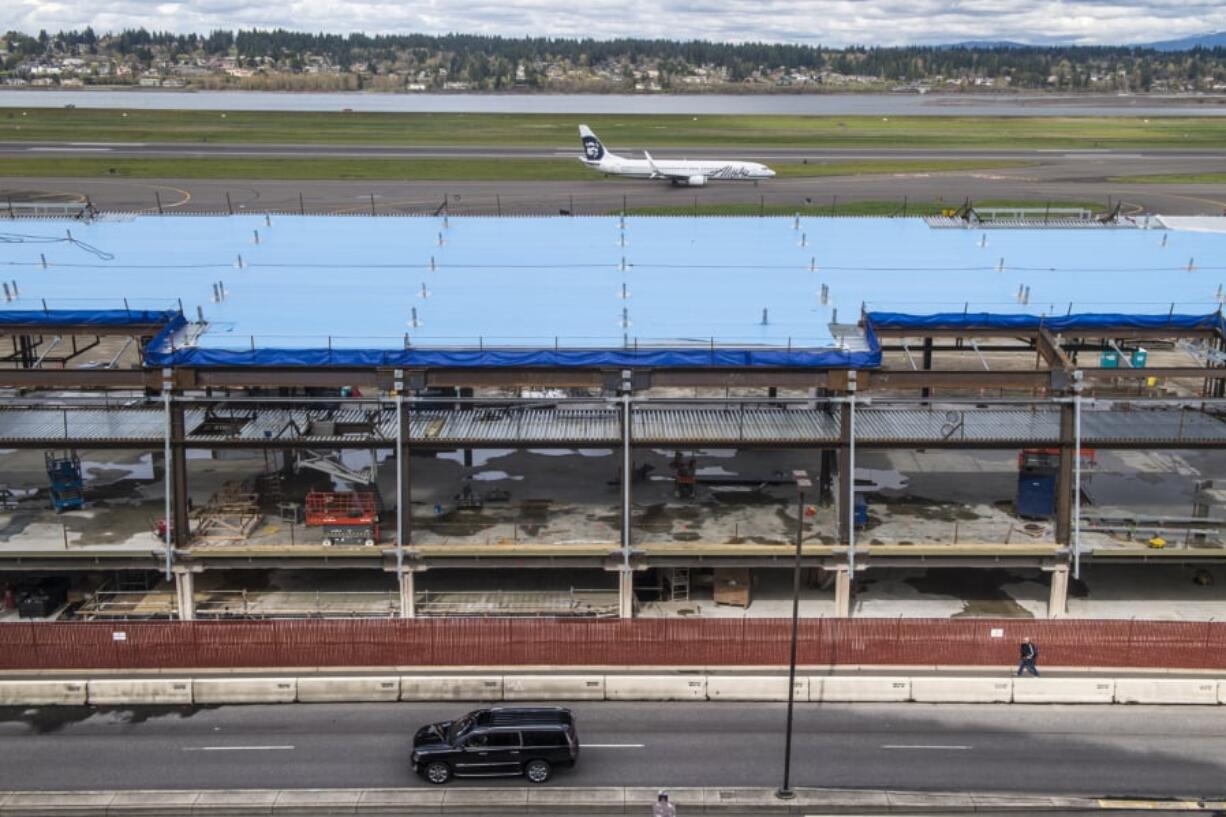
802,482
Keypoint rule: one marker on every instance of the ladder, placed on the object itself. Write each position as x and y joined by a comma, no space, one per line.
678,581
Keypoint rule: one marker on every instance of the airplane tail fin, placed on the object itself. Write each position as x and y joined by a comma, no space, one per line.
593,150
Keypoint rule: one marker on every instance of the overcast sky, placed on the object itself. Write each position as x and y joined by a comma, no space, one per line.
828,22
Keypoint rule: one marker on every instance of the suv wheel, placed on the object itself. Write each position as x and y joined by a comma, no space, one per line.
537,771
438,772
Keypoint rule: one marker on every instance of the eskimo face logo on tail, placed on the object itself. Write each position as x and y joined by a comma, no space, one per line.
593,151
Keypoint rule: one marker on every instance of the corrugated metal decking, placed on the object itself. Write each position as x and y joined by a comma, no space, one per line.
601,426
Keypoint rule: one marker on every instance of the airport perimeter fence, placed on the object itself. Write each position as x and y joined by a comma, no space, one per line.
538,201
636,643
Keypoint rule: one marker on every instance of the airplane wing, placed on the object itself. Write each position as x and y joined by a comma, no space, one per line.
656,173
655,170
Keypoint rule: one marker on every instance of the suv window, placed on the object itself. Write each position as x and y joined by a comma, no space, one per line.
503,740
543,738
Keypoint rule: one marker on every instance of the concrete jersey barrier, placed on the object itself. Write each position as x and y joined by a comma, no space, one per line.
451,688
534,800
1166,691
855,689
121,692
754,688
1063,690
655,688
553,687
939,690
342,689
245,690
562,688
42,693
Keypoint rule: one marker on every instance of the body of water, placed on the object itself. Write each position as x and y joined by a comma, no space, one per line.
710,104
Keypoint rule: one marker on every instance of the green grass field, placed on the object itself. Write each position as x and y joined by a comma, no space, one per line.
312,169
850,208
619,132
407,169
1198,178
786,170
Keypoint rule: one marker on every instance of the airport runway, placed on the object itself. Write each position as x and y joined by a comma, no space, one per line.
1055,176
1193,158
1091,750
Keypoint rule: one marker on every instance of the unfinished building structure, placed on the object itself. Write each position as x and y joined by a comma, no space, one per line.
318,397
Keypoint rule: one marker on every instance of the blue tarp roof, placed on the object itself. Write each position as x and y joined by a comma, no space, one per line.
469,291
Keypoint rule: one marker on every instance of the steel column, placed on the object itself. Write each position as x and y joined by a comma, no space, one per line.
626,578
404,488
168,478
1076,475
178,476
927,365
1064,475
851,476
825,479
846,483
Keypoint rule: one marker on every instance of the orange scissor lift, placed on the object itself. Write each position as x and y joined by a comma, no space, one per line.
347,517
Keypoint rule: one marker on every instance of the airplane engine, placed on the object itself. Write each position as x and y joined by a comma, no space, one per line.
696,181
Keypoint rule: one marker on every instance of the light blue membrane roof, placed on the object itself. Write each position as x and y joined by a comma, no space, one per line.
306,282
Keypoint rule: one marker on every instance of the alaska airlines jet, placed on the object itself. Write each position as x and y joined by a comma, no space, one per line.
678,171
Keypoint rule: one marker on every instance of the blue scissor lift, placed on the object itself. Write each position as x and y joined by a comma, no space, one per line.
67,486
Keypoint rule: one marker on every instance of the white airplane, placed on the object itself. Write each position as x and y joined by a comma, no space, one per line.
678,171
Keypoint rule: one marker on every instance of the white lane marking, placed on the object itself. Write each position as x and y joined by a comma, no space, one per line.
237,748
612,745
108,144
924,746
68,150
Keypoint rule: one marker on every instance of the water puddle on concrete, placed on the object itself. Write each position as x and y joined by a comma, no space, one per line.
480,456
493,476
93,471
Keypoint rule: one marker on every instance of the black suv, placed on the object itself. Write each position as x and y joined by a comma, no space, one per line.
503,741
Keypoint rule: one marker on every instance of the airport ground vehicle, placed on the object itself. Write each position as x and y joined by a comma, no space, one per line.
498,742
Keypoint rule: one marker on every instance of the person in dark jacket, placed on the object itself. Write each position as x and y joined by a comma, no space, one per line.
1029,655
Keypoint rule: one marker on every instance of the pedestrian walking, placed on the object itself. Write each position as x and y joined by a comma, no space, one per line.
662,807
1029,655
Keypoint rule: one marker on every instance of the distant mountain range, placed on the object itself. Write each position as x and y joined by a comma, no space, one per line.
977,44
1216,39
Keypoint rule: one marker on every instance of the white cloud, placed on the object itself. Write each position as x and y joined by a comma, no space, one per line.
830,22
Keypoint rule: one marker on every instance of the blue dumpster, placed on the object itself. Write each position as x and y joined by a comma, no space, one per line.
860,516
1036,495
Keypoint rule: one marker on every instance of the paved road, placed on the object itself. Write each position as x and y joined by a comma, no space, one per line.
1056,176
1143,751
1209,158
